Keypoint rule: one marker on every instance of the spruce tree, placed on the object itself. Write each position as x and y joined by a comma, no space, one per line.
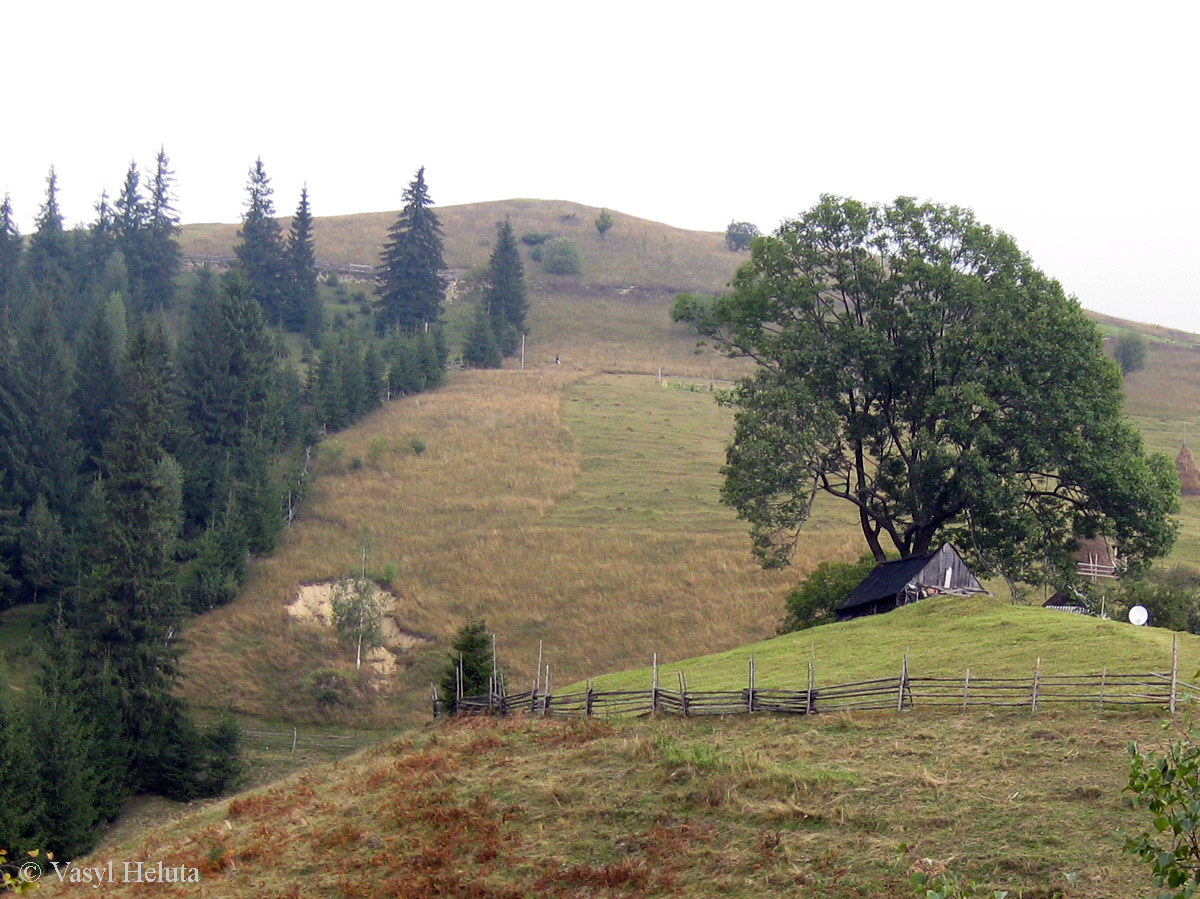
20,803
411,288
260,250
162,252
48,261
62,736
49,443
303,311
10,254
505,294
229,381
482,350
469,663
131,224
97,361
130,610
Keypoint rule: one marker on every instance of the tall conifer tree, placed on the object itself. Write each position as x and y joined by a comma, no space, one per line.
131,609
411,287
162,230
261,250
10,253
131,224
505,294
303,311
48,262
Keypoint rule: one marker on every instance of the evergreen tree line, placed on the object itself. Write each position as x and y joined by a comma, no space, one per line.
499,322
137,475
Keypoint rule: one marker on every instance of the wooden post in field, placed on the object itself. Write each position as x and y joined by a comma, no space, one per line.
495,680
683,700
522,352
1174,670
966,688
294,734
1103,678
437,706
903,684
458,683
1037,679
538,675
750,689
587,706
546,696
654,684
808,709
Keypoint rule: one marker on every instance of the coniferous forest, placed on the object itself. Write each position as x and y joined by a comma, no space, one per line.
153,432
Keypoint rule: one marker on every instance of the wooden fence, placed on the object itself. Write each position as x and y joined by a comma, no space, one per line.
1100,691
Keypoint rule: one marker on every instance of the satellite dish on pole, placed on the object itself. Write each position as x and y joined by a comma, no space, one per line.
1138,615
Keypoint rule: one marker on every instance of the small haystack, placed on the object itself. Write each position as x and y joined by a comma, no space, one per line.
1189,474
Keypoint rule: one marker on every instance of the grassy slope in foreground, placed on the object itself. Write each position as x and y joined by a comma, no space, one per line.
743,807
942,637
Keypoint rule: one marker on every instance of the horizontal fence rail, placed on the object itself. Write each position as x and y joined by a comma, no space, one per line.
1100,691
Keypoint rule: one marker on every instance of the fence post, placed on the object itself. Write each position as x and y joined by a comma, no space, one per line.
750,690
654,684
966,689
1037,677
437,706
587,707
1103,678
546,697
294,733
1174,670
808,709
683,699
903,684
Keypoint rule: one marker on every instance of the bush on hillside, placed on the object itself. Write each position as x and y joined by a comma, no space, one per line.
1170,595
535,238
814,601
561,256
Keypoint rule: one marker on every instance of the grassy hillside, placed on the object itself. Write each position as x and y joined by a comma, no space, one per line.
577,505
942,638
740,807
635,252
573,504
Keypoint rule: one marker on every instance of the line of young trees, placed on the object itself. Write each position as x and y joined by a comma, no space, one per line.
141,428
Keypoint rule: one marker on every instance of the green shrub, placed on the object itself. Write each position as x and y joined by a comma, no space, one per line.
535,238
814,601
328,687
561,256
1169,787
375,449
418,445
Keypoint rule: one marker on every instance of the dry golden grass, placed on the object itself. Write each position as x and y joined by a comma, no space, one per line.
635,252
741,807
468,525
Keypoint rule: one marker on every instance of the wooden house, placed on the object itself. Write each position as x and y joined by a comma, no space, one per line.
892,584
1067,601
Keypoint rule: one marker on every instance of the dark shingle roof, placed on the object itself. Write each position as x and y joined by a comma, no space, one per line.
886,579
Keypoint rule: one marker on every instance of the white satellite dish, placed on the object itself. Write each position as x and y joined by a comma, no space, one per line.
1138,615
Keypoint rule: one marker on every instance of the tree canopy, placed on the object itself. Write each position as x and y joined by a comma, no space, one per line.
914,363
411,287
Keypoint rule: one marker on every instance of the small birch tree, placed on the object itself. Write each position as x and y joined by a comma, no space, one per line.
358,615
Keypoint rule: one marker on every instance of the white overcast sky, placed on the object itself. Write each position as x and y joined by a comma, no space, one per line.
1073,126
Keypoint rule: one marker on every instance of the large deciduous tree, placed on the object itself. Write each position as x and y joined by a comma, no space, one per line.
411,287
914,363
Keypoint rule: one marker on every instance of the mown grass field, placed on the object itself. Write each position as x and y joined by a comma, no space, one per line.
738,807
